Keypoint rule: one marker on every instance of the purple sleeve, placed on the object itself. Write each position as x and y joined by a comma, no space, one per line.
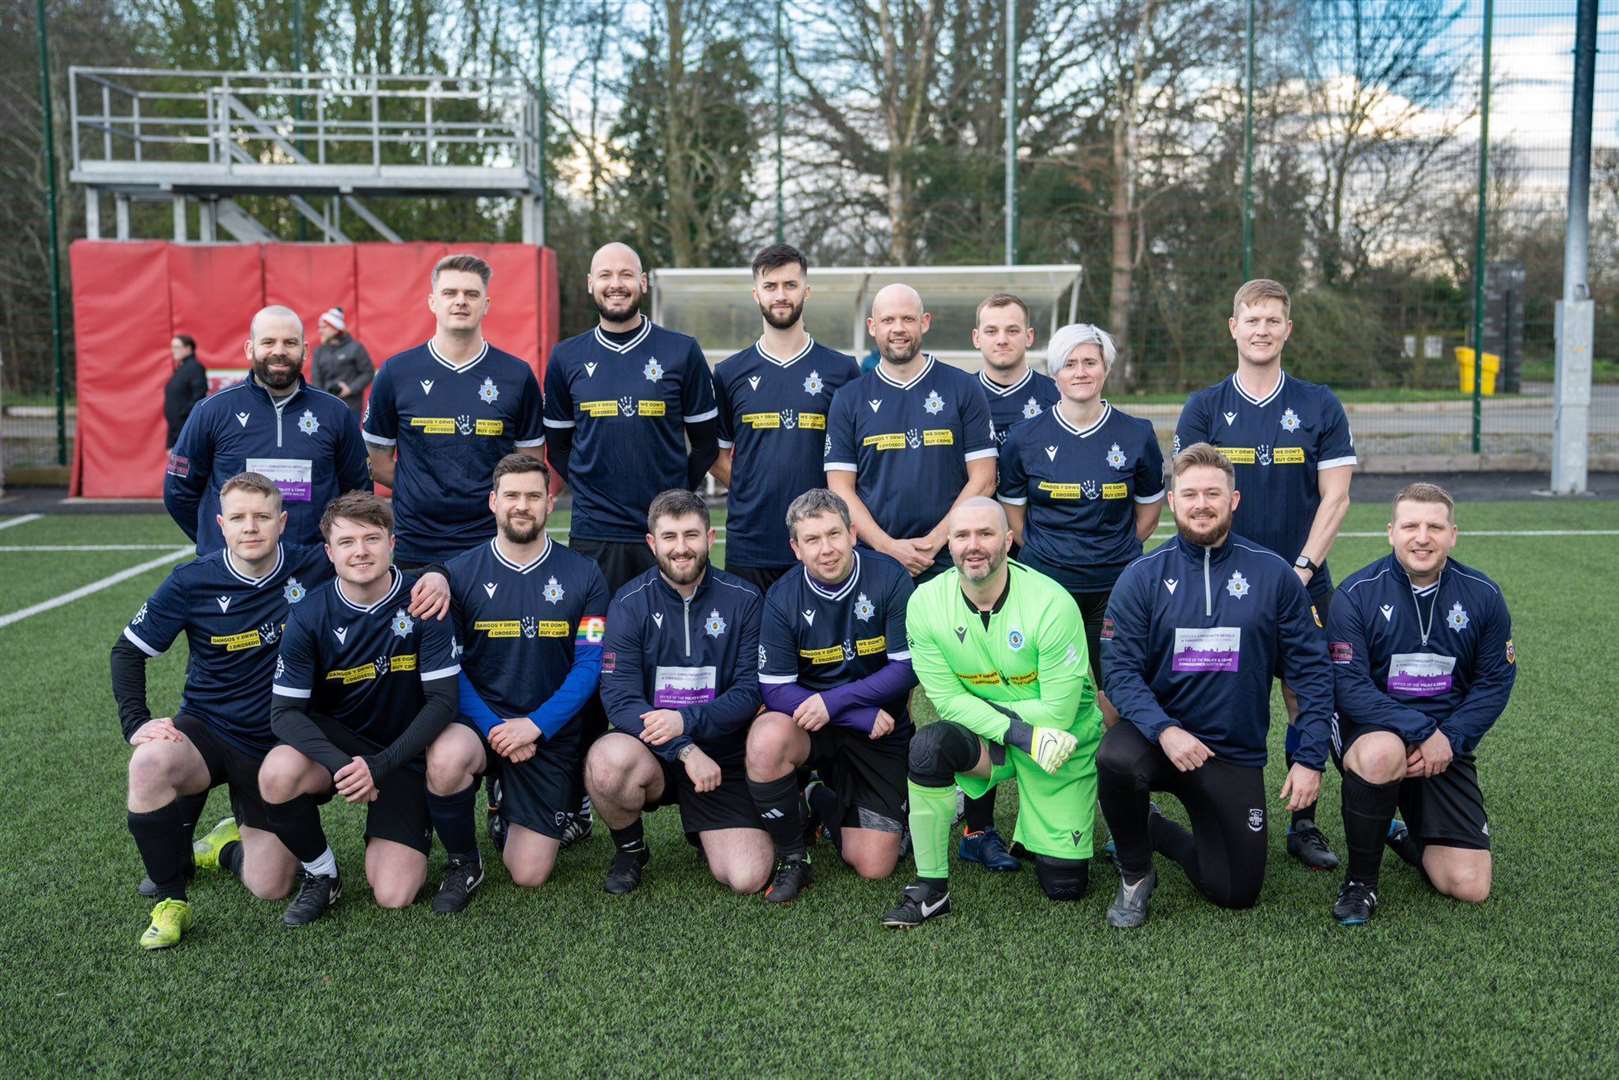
784,697
891,681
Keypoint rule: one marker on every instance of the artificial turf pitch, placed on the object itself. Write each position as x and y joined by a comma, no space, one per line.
683,978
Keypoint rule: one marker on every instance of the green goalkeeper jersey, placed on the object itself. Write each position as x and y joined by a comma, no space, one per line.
1030,658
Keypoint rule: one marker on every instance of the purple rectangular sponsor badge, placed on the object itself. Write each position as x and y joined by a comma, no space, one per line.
1215,648
1420,674
677,687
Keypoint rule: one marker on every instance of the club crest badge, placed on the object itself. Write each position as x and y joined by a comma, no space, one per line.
1290,421
1457,619
1014,639
307,423
934,404
403,624
292,591
554,591
1115,456
653,370
1031,409
1237,586
813,383
864,608
488,392
715,626
1256,819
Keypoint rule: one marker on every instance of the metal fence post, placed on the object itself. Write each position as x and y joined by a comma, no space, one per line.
1481,234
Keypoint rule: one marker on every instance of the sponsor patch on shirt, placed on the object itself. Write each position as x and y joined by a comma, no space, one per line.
293,477
1342,652
1115,491
179,465
677,687
247,639
1420,674
1287,455
1238,455
1216,648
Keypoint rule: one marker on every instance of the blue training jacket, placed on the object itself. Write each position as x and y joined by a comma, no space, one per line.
1193,636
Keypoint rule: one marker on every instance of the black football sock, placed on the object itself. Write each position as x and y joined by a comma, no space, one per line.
165,847
191,807
1368,809
453,821
780,814
297,824
230,858
981,812
825,803
631,837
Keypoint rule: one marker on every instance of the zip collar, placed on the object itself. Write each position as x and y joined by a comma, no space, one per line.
1195,552
278,404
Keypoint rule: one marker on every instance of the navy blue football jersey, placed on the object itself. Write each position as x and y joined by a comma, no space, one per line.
772,416
1277,446
627,404
364,666
909,443
451,426
1023,400
233,624
304,443
823,637
1080,490
519,625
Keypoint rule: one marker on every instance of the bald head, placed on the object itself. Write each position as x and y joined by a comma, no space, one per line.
980,540
616,285
615,255
275,347
275,320
898,323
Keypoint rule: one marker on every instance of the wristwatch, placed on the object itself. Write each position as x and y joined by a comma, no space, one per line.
1303,563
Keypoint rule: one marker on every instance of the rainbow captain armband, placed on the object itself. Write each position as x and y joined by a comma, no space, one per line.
592,628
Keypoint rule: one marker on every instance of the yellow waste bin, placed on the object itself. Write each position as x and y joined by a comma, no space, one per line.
1464,370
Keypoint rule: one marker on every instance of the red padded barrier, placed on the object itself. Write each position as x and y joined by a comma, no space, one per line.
311,278
122,330
214,290
393,287
130,298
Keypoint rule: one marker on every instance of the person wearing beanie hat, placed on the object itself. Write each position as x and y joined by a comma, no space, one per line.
341,366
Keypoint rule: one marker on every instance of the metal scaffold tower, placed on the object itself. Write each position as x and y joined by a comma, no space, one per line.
324,141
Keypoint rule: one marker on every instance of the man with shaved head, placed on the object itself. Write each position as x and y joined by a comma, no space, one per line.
304,440
629,413
1000,651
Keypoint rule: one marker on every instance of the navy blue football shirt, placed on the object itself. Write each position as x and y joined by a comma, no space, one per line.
1023,400
364,666
908,444
233,624
772,416
1080,489
627,404
451,426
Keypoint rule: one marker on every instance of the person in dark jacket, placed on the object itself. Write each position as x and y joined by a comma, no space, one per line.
187,386
1423,663
341,366
1193,636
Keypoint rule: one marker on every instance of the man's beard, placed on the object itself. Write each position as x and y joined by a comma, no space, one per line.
1215,539
995,562
261,372
900,354
521,533
699,565
779,322
623,308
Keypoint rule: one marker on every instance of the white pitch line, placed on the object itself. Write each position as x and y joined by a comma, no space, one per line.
95,586
14,548
25,519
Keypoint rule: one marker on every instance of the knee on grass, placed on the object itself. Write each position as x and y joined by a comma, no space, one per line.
939,751
1062,879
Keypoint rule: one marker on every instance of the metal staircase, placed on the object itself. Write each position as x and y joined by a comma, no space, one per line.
324,141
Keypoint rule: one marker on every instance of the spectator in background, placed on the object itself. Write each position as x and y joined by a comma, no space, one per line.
341,366
187,386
